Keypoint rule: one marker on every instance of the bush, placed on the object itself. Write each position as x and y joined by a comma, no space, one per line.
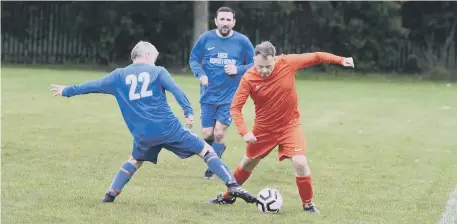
413,64
440,73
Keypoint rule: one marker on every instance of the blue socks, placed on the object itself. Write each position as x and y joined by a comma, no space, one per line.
122,178
219,148
218,167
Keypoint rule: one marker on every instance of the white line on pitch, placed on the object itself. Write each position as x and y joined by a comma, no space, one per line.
450,214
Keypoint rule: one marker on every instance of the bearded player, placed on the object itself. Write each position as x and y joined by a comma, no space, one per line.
219,59
271,85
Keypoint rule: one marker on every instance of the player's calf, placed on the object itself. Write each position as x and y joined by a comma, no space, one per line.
209,139
218,149
249,164
123,176
218,167
219,135
218,144
304,183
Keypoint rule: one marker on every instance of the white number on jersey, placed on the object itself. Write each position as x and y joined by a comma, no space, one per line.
144,78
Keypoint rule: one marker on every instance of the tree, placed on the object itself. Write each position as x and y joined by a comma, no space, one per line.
200,19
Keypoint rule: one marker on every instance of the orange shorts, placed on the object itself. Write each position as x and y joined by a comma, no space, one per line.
291,142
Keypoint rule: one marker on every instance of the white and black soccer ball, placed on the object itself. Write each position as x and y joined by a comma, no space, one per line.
269,200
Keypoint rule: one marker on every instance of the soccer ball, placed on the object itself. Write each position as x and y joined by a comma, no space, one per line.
269,200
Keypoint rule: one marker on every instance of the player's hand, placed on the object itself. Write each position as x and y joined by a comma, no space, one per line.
189,121
348,62
249,137
204,80
231,69
57,89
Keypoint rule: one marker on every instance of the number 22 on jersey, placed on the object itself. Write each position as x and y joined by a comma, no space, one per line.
133,81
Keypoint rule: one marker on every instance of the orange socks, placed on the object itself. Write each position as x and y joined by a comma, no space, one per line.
305,189
240,176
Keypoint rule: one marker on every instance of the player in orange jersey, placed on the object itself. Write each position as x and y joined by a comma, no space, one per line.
271,85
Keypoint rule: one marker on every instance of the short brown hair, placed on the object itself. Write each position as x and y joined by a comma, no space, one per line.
265,49
225,9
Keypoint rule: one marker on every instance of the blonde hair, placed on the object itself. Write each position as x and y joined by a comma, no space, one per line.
142,48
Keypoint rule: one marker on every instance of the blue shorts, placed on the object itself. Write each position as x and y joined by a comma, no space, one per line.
183,143
211,113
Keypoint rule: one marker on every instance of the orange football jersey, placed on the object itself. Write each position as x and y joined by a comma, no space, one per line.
275,97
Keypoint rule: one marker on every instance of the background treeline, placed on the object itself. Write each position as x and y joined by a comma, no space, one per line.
385,37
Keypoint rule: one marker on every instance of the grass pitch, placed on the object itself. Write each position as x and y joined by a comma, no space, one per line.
380,151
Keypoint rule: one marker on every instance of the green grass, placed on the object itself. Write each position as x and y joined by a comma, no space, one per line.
380,150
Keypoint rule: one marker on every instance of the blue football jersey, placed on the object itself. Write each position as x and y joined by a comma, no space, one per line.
140,93
209,56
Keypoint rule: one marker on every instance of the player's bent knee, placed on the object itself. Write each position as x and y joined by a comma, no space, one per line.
301,169
299,159
249,164
207,133
300,164
219,134
209,155
205,150
135,162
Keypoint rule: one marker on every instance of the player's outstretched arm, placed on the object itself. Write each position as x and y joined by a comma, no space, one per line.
309,59
195,58
106,85
170,85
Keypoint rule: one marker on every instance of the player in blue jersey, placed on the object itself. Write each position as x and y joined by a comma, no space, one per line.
140,93
219,59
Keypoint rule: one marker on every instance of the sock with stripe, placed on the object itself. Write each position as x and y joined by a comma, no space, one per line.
305,189
122,178
209,142
218,167
219,148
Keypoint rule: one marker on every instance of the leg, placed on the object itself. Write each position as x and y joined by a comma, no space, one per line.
223,121
208,120
243,171
234,189
189,144
125,173
217,144
215,164
249,164
123,176
254,153
293,147
121,179
219,135
209,139
304,183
